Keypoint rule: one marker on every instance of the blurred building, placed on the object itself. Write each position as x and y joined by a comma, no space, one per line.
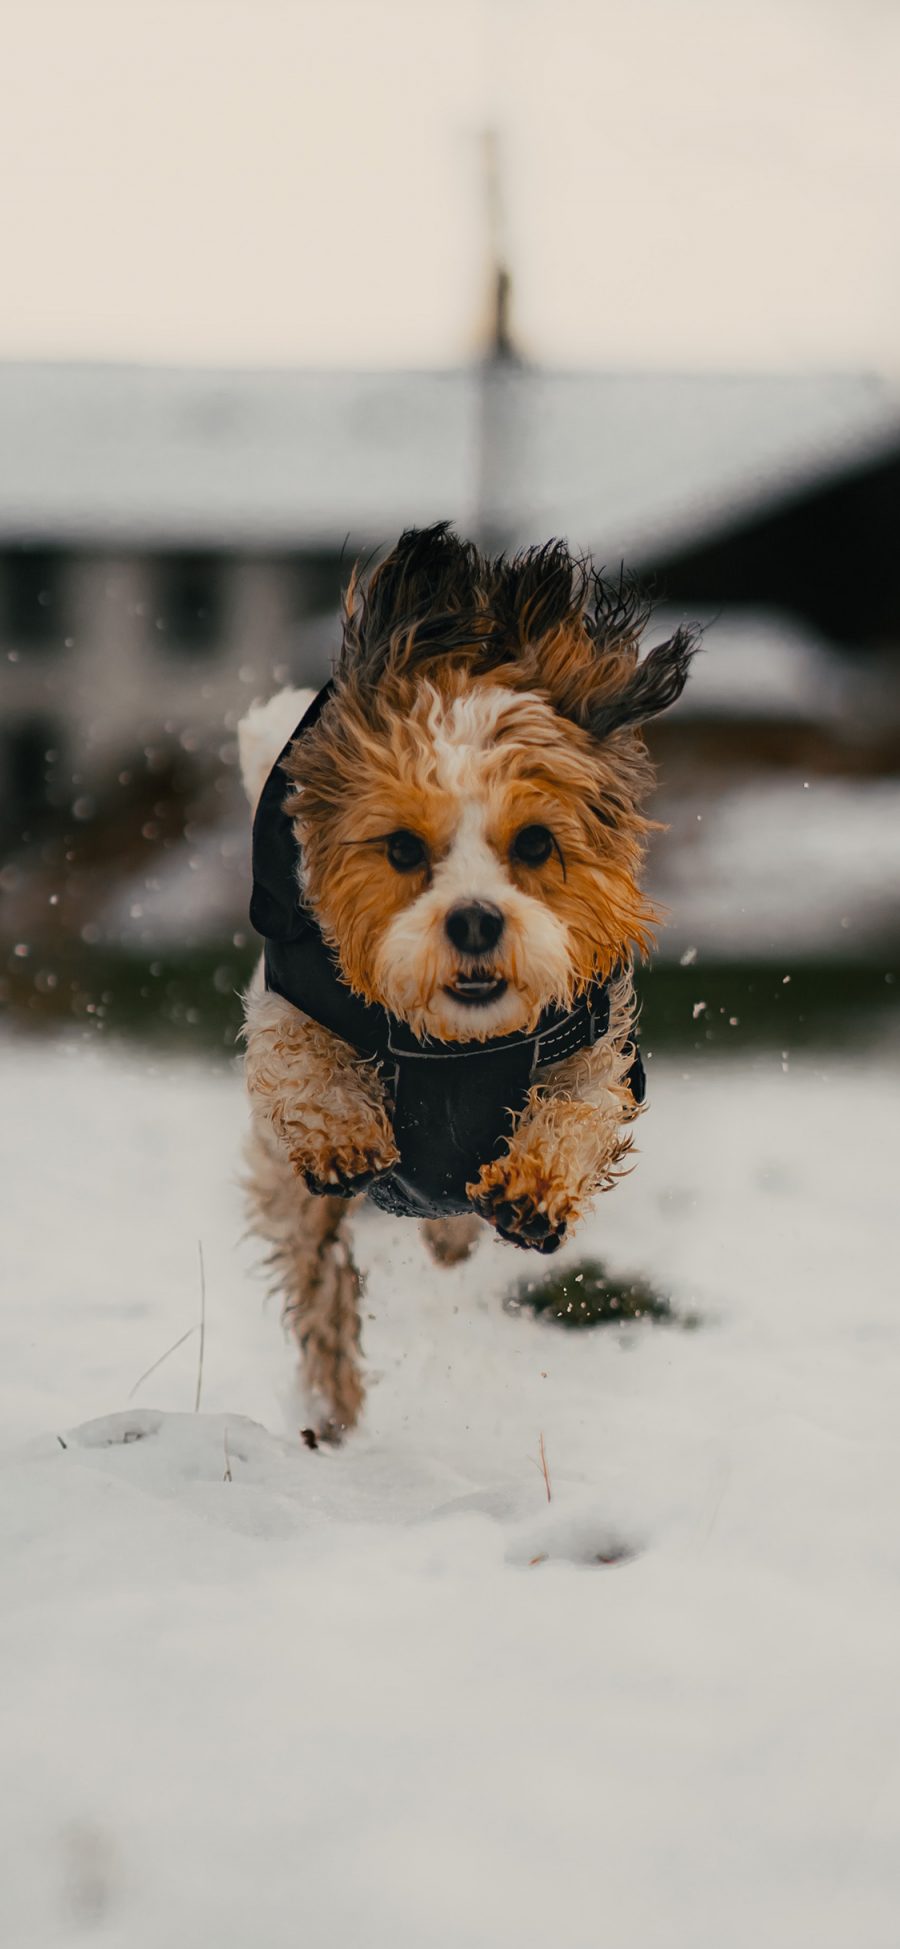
826,550
173,541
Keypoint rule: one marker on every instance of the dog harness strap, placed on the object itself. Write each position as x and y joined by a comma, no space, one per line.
579,1030
453,1102
306,974
556,1035
275,909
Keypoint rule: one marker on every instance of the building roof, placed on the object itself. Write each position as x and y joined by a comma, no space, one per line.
617,462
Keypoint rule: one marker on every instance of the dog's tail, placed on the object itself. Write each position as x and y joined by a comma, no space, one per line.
264,732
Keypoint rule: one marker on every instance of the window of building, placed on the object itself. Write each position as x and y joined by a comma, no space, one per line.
320,575
28,753
32,580
189,605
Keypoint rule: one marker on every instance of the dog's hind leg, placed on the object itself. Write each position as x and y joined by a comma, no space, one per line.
450,1240
313,1270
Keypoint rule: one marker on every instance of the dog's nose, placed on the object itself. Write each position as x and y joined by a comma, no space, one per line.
474,927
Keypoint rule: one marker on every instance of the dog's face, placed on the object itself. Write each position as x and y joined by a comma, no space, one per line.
470,848
473,863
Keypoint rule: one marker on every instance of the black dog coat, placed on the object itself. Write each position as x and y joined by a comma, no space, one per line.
452,1103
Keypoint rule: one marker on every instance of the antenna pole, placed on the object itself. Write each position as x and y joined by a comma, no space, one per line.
499,367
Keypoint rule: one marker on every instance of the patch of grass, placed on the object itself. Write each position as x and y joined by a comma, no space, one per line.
723,1008
188,998
586,1295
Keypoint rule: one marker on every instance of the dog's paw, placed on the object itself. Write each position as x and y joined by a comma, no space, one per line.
523,1207
342,1184
347,1166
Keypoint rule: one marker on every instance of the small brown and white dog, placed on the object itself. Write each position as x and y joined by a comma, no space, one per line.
463,812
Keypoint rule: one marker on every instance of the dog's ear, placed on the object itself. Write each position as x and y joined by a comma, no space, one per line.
422,599
649,687
576,634
537,593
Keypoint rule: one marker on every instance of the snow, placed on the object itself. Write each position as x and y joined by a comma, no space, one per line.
780,869
332,1698
766,665
195,894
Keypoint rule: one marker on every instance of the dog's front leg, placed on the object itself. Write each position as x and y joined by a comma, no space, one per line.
567,1144
324,1103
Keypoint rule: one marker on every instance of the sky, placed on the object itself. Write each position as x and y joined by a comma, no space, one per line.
699,184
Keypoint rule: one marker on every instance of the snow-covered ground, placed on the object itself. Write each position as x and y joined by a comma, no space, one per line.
259,1695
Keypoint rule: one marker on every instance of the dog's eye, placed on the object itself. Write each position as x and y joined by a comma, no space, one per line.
533,845
406,851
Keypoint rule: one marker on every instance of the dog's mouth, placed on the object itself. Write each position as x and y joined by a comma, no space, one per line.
476,988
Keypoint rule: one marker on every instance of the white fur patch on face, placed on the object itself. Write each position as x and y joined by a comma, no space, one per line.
416,962
471,869
461,730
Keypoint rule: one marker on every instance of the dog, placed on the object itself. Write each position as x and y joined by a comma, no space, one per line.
447,851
